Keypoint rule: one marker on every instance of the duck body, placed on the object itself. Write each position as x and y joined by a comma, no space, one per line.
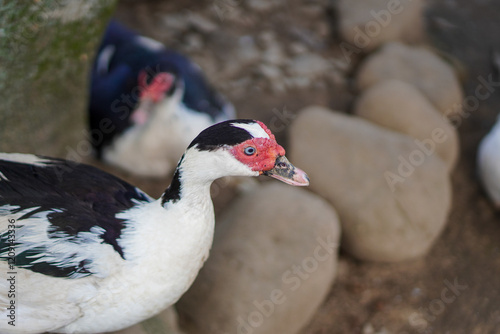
90,253
123,119
488,162
120,267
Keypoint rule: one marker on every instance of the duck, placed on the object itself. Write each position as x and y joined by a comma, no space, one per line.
87,252
147,103
488,164
488,157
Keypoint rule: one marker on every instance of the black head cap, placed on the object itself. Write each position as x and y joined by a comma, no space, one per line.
220,134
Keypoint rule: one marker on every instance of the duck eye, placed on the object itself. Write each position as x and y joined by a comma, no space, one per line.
249,150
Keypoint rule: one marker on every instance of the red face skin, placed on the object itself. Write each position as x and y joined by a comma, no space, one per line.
150,94
265,152
159,85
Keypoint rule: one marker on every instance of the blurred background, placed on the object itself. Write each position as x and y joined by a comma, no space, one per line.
271,59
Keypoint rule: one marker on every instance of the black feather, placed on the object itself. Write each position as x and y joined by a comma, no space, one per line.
220,134
173,192
83,195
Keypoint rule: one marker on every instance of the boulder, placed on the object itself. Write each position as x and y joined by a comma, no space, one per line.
418,66
272,264
47,48
399,106
367,24
393,199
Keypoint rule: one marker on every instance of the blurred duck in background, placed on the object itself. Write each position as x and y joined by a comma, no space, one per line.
488,160
147,103
488,156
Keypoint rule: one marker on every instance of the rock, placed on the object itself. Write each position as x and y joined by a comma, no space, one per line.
419,67
272,51
165,323
263,5
272,264
193,42
46,52
297,48
401,107
392,199
308,65
201,23
176,22
247,52
297,82
312,9
273,54
308,37
367,24
271,72
228,10
267,38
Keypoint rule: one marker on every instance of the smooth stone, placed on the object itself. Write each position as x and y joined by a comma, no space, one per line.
272,264
401,107
420,67
392,199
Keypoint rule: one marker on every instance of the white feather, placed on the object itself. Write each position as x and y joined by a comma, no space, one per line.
149,43
24,158
104,58
59,248
253,128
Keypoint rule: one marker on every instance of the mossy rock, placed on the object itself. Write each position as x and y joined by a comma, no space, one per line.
46,48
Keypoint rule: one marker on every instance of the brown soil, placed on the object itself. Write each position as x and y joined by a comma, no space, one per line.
366,298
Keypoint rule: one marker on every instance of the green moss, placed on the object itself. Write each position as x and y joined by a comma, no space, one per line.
46,48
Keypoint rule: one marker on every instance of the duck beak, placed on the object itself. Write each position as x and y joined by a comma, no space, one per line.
141,115
284,171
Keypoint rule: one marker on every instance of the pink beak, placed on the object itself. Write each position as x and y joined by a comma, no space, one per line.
286,172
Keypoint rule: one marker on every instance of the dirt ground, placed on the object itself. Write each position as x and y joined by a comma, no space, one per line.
456,287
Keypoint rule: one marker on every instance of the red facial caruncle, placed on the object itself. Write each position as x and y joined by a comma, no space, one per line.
159,85
259,153
150,94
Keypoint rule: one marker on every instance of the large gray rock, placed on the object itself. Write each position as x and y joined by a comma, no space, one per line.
418,66
392,199
401,107
272,264
367,24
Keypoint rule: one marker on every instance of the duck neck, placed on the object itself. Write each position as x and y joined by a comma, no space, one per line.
188,186
196,171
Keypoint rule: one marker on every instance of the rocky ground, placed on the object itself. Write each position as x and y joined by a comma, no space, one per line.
272,58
